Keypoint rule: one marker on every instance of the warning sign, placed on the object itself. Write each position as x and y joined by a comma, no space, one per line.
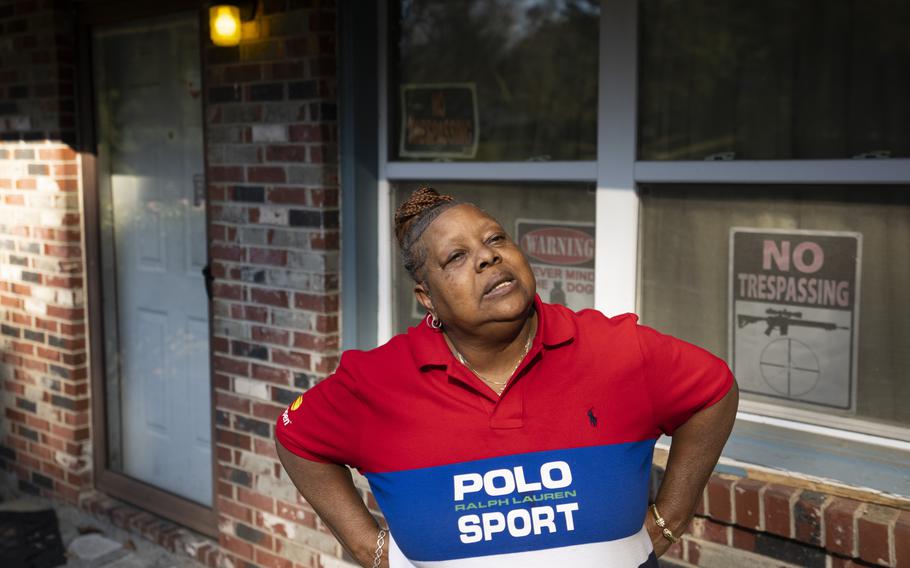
561,254
794,298
438,121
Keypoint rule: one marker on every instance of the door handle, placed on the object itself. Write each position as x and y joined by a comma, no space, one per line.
209,280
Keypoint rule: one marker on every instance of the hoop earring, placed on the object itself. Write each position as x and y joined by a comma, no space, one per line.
433,322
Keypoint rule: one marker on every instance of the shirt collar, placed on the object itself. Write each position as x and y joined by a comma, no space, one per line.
555,327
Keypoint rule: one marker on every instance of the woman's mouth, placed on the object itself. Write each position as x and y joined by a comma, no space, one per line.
501,288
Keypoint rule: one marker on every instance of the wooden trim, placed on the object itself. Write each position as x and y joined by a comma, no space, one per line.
768,475
180,510
91,238
198,517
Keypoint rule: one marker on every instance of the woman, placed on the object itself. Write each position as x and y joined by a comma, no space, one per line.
504,431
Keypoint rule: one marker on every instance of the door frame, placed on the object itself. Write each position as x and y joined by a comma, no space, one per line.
183,511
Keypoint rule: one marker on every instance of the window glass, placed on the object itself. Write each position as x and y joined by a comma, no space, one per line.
493,80
774,79
553,223
802,289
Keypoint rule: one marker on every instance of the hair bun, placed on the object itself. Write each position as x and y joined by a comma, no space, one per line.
422,199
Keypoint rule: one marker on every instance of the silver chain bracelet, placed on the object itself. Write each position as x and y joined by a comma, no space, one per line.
380,542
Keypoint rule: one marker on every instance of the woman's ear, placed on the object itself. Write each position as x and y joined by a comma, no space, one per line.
422,293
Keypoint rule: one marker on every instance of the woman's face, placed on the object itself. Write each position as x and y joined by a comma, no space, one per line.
473,272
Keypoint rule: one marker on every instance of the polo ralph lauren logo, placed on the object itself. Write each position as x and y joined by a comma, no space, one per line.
591,418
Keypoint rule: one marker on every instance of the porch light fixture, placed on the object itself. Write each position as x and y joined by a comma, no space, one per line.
224,24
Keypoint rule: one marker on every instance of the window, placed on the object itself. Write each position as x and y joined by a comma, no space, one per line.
493,80
774,80
472,104
802,341
553,223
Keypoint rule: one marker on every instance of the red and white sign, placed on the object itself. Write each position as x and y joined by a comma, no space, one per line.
559,245
561,254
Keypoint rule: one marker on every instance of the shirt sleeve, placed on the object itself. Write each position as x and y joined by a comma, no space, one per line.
681,378
324,423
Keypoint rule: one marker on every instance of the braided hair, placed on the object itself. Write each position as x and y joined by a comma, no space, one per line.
412,218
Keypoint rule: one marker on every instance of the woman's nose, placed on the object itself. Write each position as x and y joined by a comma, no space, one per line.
487,257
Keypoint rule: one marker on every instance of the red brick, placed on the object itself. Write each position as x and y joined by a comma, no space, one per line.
234,439
840,522
271,561
307,132
327,365
271,374
291,359
299,515
743,539
255,313
66,170
807,514
266,174
57,154
235,510
220,344
225,252
315,342
326,324
11,302
902,539
316,302
232,366
270,257
228,291
225,174
676,550
778,509
265,448
288,195
242,73
225,489
277,298
267,411
325,241
255,500
226,401
286,153
65,313
237,546
693,552
270,335
874,525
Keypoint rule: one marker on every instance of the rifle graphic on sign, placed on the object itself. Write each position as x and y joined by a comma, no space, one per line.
783,319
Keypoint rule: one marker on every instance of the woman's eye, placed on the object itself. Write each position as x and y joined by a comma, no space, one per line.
454,256
497,238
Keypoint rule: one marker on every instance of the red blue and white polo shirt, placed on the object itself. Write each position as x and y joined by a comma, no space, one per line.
554,472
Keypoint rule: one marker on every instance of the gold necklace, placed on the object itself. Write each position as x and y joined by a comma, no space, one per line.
500,384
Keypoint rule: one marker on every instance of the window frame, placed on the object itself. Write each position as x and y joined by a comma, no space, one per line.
617,173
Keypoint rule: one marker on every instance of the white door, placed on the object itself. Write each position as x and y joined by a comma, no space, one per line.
149,116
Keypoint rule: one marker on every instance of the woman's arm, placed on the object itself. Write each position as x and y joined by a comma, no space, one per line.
329,489
694,452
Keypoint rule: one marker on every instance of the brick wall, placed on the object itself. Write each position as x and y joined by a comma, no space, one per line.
37,93
773,522
44,435
272,148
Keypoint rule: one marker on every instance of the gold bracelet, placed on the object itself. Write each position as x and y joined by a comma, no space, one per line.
662,524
